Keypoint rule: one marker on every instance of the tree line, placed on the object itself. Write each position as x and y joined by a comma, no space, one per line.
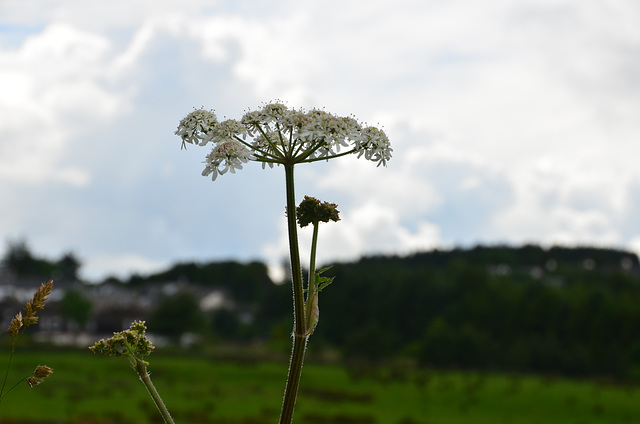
570,311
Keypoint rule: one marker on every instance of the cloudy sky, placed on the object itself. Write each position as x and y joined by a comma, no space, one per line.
511,122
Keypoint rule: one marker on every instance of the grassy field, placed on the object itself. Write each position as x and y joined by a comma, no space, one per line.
92,389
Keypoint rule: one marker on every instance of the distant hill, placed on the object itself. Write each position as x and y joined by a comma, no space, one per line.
565,310
520,257
574,311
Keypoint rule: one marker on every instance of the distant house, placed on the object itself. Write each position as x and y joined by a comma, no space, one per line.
114,305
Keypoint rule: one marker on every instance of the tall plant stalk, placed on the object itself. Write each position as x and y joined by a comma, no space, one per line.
277,135
286,137
300,326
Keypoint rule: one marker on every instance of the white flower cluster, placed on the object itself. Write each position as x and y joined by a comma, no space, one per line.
374,145
277,134
227,155
194,127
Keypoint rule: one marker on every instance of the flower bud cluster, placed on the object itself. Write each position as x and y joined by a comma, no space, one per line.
276,134
312,211
131,342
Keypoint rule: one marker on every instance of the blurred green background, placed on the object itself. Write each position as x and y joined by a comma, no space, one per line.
201,389
482,335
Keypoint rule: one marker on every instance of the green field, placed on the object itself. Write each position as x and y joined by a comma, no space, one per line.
93,389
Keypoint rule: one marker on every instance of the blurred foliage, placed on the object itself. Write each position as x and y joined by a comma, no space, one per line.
19,259
77,307
177,315
206,389
569,311
562,310
244,282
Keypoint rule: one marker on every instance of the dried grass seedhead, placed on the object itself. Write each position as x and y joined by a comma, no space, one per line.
28,317
16,325
36,304
39,375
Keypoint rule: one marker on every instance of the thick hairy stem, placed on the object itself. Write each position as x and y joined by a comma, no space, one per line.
141,369
299,332
293,379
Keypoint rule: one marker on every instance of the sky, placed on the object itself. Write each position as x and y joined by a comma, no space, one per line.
511,122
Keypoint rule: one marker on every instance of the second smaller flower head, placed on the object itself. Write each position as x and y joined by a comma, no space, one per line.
128,343
312,211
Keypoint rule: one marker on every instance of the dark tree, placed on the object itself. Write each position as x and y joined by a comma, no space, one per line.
68,266
76,307
177,315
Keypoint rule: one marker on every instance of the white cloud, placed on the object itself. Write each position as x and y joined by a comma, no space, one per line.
371,228
365,230
509,120
53,89
120,266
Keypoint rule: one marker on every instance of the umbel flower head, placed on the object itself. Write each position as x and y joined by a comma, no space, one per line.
276,134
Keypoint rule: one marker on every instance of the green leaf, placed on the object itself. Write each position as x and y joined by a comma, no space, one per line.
324,282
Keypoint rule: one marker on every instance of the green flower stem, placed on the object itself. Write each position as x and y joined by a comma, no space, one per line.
6,374
299,333
311,292
141,369
312,261
14,386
